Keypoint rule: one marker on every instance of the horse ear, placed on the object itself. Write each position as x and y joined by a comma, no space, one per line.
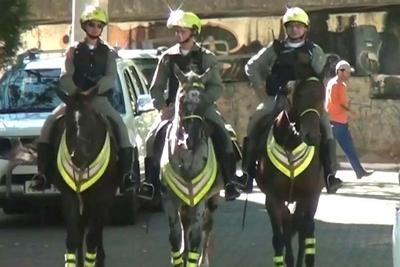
179,74
282,119
205,76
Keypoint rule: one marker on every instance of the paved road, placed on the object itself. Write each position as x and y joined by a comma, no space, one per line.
353,229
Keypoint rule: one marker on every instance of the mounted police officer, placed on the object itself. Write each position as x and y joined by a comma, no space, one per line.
90,64
188,55
269,72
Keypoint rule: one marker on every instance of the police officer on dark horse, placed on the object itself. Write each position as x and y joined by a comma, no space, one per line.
273,65
188,55
90,64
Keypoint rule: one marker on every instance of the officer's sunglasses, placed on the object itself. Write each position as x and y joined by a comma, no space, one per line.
93,24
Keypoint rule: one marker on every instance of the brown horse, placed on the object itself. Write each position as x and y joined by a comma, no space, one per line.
289,171
85,172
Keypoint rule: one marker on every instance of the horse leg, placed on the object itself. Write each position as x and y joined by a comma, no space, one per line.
274,211
195,214
288,231
82,223
96,217
309,232
306,223
175,229
70,204
299,221
101,255
207,227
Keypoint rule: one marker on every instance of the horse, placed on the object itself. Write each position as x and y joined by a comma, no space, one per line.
86,174
290,171
190,176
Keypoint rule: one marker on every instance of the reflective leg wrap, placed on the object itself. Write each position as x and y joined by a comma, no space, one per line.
278,261
176,258
310,246
70,260
90,259
193,259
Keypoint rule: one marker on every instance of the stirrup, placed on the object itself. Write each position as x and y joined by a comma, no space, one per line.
129,182
231,192
38,182
146,191
241,180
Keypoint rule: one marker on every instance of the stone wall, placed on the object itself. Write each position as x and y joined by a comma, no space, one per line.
374,129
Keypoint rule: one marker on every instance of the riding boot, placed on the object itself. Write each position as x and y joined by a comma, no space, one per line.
130,169
248,165
44,156
148,187
328,157
228,169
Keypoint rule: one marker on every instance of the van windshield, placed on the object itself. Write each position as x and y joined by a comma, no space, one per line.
29,90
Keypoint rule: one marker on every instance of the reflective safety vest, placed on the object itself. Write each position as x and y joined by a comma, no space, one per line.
192,61
90,65
283,69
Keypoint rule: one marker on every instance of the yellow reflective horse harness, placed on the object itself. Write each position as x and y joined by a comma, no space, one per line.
193,191
93,173
291,163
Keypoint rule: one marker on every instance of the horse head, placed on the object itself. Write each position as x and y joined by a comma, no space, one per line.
190,105
285,132
84,128
308,104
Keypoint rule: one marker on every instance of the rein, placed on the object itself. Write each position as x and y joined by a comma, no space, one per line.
310,110
193,116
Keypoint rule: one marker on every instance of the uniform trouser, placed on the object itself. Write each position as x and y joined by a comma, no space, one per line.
266,108
102,106
210,114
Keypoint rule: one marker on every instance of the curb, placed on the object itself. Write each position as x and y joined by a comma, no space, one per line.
373,166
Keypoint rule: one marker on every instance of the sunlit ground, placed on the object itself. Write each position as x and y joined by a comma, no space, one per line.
371,200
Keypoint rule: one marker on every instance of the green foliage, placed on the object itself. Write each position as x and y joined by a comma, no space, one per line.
13,22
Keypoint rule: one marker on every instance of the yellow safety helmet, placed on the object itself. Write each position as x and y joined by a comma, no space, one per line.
94,13
296,14
180,18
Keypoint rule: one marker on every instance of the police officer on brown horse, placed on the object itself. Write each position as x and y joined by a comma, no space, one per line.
90,64
269,71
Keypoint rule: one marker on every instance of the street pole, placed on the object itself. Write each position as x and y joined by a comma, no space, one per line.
78,6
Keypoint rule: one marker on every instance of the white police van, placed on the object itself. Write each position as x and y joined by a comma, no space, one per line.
27,97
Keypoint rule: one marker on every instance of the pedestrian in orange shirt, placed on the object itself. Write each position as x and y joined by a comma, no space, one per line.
339,111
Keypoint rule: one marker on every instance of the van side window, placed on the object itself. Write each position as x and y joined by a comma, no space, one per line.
137,80
117,97
131,88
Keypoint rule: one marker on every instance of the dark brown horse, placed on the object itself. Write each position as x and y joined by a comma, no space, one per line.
290,171
85,172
